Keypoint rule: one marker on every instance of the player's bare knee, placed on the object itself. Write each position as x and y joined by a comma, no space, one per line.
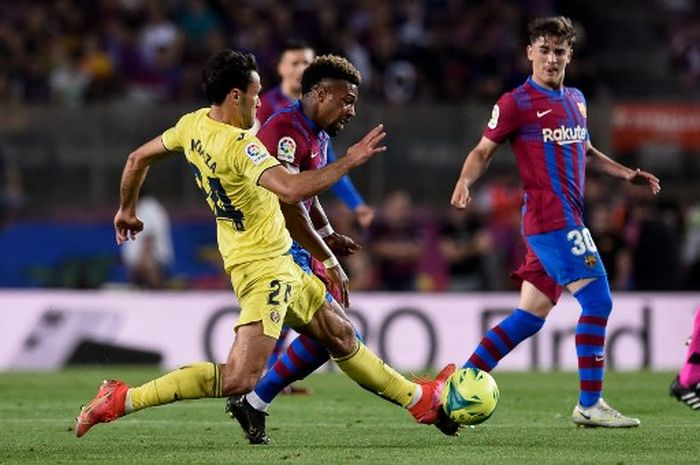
239,385
534,301
348,339
238,379
332,330
342,340
542,310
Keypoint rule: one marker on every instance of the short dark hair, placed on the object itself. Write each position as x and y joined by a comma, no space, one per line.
295,44
227,70
329,67
560,27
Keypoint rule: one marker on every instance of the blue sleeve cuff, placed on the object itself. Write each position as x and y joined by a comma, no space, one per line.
345,191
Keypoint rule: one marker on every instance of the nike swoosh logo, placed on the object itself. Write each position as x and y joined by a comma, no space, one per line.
314,154
540,114
598,358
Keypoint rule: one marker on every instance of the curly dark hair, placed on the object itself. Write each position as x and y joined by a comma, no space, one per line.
227,70
329,67
560,27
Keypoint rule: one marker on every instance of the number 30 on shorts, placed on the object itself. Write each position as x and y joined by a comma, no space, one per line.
582,240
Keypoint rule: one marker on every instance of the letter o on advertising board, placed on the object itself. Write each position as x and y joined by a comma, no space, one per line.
412,314
229,313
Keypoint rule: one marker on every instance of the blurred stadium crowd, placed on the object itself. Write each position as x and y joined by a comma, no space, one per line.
75,51
645,245
79,52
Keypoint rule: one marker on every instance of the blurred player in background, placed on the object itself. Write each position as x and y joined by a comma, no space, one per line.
296,56
243,184
545,123
686,386
148,260
299,136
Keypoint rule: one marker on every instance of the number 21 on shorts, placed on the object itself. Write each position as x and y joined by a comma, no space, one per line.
582,241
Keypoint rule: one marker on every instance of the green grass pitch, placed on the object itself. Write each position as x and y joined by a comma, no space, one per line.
341,423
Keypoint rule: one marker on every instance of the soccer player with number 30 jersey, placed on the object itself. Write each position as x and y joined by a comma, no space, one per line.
546,125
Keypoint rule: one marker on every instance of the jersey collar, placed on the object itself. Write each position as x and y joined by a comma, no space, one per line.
550,92
311,124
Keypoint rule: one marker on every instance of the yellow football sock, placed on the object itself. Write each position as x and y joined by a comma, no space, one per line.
370,372
188,382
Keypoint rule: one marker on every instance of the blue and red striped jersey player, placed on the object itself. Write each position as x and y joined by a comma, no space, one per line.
296,56
300,144
546,125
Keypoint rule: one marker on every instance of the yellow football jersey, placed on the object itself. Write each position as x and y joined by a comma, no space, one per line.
227,162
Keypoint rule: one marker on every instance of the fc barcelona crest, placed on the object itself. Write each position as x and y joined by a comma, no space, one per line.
582,109
590,260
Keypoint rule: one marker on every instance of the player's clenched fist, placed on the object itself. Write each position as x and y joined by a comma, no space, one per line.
126,226
461,196
340,279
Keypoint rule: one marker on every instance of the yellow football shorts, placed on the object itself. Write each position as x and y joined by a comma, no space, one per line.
276,291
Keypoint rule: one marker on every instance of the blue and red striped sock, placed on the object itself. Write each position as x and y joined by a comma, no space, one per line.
596,304
279,347
303,356
503,338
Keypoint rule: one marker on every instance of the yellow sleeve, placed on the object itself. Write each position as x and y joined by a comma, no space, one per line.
251,158
172,138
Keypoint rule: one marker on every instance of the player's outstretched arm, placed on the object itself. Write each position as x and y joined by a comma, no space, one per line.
126,223
615,169
474,167
302,230
293,188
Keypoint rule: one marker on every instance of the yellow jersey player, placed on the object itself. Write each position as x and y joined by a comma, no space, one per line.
242,184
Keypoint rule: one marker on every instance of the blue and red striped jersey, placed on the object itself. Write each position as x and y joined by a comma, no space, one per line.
548,133
294,139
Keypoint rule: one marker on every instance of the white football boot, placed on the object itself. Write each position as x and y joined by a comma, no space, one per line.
603,415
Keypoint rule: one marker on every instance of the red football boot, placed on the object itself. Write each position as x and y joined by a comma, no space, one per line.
108,405
428,408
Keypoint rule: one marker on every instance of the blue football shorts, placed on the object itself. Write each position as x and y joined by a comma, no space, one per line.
302,257
567,255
